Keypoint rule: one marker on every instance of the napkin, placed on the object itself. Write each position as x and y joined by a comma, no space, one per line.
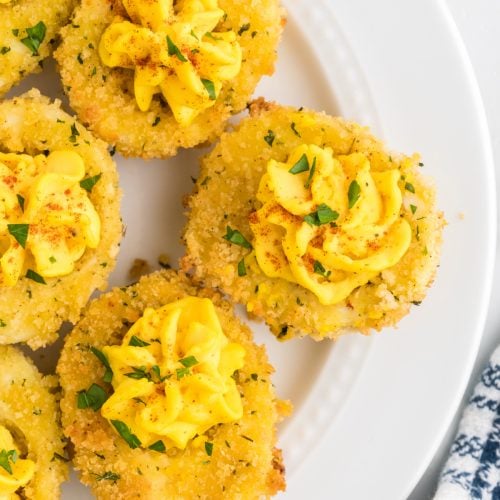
472,470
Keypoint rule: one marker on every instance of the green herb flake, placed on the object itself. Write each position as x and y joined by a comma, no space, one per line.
32,275
94,397
108,374
15,32
52,259
354,193
138,373
209,448
107,476
294,129
247,438
188,362
243,28
137,342
210,88
236,238
173,50
3,324
193,34
269,138
254,376
36,35
89,183
242,270
159,446
123,429
74,133
182,372
307,185
4,50
79,58
301,166
19,232
413,209
319,269
157,120
323,215
409,187
6,457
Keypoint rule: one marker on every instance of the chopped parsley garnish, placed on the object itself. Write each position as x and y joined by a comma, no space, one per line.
354,193
159,446
294,129
19,232
410,187
137,342
107,476
6,457
323,215
235,237
242,270
20,200
90,182
35,37
94,397
182,372
138,373
210,87
173,50
307,185
269,138
32,275
74,133
123,429
188,362
108,374
413,208
4,50
301,166
243,28
319,269
193,34
209,448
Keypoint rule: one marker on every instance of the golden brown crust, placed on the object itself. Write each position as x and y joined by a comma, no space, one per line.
104,97
17,60
32,124
29,410
225,195
243,463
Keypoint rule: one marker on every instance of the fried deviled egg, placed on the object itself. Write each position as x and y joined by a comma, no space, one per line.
165,395
311,223
154,76
28,29
59,218
32,456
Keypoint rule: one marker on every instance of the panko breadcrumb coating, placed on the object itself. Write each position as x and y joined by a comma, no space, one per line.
243,461
29,411
104,97
28,30
32,312
225,197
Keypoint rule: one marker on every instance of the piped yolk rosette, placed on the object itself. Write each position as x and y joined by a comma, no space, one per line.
328,223
47,220
175,52
172,376
15,472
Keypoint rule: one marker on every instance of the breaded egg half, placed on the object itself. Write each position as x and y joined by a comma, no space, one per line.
313,224
233,460
32,307
103,96
31,439
28,30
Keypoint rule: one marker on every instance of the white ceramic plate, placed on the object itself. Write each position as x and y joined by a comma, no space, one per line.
364,425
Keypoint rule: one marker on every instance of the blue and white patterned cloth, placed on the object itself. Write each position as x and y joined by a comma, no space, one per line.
472,471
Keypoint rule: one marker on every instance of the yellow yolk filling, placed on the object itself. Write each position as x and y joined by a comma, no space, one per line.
46,218
15,472
174,51
328,223
172,375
